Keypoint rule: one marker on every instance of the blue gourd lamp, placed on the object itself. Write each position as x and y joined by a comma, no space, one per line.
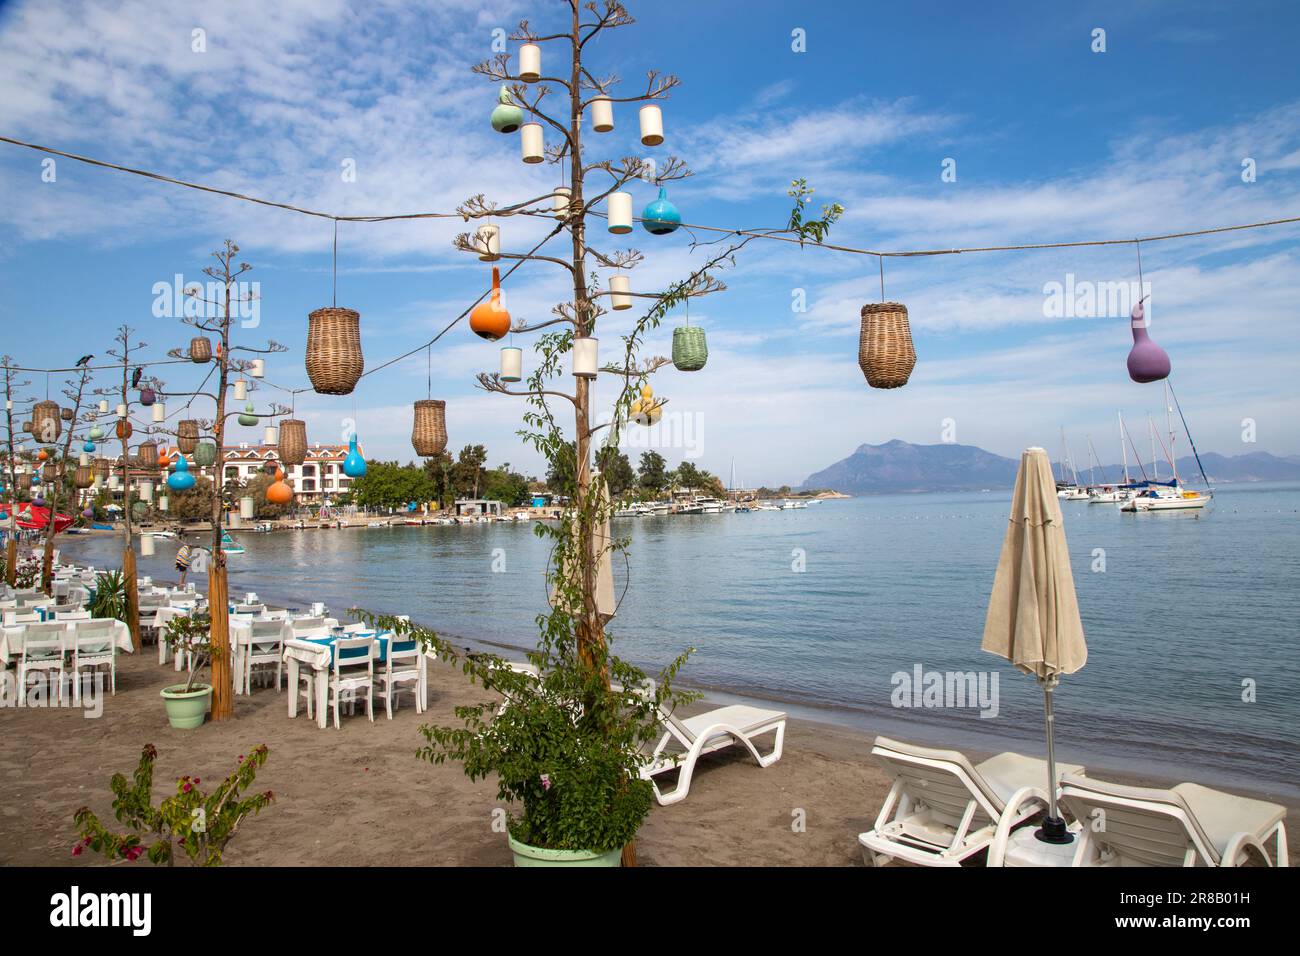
661,217
88,446
507,117
354,466
180,479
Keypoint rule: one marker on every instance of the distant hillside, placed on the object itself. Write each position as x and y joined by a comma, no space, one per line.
899,466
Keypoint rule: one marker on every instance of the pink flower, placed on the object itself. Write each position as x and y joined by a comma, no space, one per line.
546,781
132,853
76,850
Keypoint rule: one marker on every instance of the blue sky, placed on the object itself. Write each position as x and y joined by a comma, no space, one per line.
1052,141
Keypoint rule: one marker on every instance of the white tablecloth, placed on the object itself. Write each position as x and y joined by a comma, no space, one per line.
9,647
300,653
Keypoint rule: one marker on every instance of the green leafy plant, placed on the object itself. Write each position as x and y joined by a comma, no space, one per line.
190,638
200,824
110,596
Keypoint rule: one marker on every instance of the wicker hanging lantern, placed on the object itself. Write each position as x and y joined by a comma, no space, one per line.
293,442
124,429
27,427
148,396
65,414
429,434
690,350
200,350
102,467
46,424
205,454
334,360
147,457
885,350
49,471
187,436
140,509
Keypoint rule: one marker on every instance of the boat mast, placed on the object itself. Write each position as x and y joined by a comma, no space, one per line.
1123,452
1151,434
1169,424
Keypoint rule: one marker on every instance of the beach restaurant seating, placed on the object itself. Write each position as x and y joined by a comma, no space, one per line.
93,647
401,665
943,809
1188,825
352,672
707,733
265,649
43,646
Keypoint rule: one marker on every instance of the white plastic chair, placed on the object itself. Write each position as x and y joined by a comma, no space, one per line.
93,646
401,666
70,615
1187,825
705,734
353,671
43,647
265,646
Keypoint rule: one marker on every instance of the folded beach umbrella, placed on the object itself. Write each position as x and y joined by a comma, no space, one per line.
1033,617
601,541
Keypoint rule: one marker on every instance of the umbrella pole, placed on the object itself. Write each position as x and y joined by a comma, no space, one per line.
1053,829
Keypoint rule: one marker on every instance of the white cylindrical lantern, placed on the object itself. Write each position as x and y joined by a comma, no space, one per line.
488,242
258,369
146,545
103,406
602,115
585,357
113,482
512,364
233,520
159,411
85,459
620,213
271,435
121,411
146,491
247,507
532,143
241,390
652,125
620,288
99,483
163,503
561,200
530,63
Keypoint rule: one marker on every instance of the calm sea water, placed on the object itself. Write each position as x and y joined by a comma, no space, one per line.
1189,610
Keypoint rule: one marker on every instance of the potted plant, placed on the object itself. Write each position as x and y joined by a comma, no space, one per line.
189,639
200,824
109,597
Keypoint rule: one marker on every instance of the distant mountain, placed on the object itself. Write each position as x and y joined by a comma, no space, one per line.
899,466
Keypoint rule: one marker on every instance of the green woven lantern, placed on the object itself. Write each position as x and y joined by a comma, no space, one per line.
690,350
205,453
139,509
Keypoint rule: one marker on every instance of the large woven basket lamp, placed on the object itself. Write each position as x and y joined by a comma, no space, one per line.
187,435
885,350
334,360
47,424
429,433
293,442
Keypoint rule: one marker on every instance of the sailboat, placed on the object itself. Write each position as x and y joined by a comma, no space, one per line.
1107,493
229,545
1068,488
1169,495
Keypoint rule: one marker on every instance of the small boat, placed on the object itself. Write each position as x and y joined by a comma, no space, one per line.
263,527
1170,495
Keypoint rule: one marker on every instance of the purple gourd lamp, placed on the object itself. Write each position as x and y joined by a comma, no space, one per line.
1147,362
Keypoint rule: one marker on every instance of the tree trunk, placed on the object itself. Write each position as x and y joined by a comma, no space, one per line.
11,556
223,688
132,596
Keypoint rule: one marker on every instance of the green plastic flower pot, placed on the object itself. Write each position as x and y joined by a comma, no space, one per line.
186,710
526,855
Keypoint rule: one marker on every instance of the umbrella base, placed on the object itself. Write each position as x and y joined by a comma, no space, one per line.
1054,830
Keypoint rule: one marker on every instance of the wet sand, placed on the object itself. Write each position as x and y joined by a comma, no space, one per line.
359,795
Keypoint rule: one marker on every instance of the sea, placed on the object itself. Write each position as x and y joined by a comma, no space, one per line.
850,610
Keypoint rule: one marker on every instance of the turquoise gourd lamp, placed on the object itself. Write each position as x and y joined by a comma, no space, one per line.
88,446
181,479
507,117
354,466
96,433
661,217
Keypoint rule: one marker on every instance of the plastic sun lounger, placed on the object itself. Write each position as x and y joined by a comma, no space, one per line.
1188,825
943,809
707,733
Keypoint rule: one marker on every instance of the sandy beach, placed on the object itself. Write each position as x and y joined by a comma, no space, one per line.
359,796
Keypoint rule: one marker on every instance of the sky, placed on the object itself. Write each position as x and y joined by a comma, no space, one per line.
1188,118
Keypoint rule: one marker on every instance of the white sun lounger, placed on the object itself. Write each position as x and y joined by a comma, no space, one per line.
943,809
705,734
1189,825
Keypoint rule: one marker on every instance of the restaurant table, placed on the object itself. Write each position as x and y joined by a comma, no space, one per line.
241,635
318,654
10,647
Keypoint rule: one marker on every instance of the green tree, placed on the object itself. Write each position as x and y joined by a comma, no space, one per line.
502,484
437,468
468,470
386,484
651,472
616,470
689,477
560,470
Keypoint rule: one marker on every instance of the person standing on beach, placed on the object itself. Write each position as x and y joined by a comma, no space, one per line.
183,560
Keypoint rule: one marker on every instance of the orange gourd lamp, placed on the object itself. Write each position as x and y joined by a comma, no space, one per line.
279,492
42,455
489,319
163,460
